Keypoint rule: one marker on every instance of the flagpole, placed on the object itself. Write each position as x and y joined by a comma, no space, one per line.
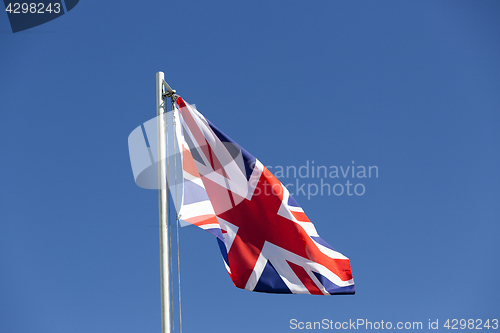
166,319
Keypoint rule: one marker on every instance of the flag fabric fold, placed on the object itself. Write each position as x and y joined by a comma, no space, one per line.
267,242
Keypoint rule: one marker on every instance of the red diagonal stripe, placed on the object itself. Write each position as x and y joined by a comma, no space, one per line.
305,279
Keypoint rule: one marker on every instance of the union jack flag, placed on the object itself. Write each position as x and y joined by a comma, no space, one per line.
267,242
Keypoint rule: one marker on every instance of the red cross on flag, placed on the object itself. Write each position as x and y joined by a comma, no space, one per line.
267,242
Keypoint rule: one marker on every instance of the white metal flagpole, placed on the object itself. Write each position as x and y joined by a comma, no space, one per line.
166,320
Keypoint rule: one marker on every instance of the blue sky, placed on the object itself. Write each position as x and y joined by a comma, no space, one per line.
410,87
